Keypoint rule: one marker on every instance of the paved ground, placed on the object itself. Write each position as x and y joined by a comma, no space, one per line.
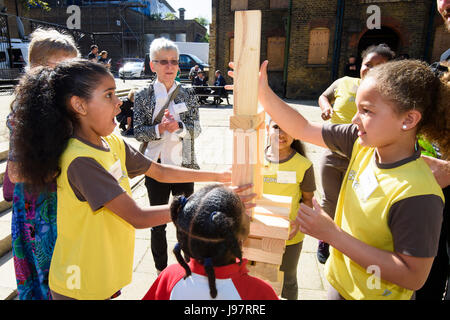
213,153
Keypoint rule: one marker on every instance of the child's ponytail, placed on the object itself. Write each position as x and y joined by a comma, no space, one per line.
44,120
439,129
41,127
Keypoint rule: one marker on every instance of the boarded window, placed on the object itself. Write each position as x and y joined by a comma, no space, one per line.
239,5
319,39
440,44
275,53
279,4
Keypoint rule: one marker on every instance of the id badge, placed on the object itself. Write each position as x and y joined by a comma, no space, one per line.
286,177
180,107
366,184
116,170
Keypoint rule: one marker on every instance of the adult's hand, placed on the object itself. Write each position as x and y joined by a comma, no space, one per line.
440,169
263,82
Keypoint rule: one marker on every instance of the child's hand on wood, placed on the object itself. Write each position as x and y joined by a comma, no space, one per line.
263,80
245,198
315,222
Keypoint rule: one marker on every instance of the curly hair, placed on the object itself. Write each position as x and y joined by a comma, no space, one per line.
381,49
210,225
412,84
43,118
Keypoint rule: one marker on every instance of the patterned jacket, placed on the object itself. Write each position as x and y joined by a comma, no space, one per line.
144,129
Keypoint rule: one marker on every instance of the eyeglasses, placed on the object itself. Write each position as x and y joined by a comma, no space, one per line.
165,62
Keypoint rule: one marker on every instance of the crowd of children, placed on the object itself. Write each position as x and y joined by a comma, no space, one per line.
73,208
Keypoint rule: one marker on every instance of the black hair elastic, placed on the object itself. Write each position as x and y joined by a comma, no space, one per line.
438,69
183,202
208,262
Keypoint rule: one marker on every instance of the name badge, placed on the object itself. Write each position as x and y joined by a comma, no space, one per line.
366,184
286,177
180,107
116,170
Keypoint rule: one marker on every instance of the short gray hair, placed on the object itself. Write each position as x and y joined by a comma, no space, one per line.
161,44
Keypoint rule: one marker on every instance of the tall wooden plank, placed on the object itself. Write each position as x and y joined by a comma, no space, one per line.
247,43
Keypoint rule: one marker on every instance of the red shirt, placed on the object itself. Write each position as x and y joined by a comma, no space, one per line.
232,281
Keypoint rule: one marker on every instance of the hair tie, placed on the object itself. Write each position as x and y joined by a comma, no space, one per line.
211,216
183,202
438,69
207,262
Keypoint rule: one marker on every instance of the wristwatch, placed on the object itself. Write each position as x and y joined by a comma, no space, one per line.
180,124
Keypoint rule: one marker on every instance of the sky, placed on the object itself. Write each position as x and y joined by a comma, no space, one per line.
194,8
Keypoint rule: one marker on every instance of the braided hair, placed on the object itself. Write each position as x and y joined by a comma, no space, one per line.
210,226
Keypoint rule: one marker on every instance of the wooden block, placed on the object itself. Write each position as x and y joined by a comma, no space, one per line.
266,244
265,226
247,45
266,271
247,122
247,42
274,200
262,256
272,211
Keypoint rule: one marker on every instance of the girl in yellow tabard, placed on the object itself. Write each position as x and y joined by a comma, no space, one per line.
97,216
388,218
286,155
342,95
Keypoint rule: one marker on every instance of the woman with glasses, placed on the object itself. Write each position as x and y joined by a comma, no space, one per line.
170,134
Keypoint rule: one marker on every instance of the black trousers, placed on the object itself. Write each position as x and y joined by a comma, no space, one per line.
158,194
289,266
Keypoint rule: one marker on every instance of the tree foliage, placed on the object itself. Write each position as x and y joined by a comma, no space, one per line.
35,4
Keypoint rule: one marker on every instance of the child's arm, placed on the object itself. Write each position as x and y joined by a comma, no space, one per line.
294,226
325,100
406,271
307,198
286,117
13,172
140,218
126,208
174,174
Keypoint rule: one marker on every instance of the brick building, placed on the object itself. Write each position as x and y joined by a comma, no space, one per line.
123,28
308,42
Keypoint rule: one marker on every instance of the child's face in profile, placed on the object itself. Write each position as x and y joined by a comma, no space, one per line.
279,139
370,61
101,110
378,123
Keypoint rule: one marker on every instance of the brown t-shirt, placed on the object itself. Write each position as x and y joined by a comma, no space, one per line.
415,222
92,183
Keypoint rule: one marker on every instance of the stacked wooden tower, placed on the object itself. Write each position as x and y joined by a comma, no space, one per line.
269,228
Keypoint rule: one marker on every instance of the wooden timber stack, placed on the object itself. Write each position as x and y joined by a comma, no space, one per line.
269,228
